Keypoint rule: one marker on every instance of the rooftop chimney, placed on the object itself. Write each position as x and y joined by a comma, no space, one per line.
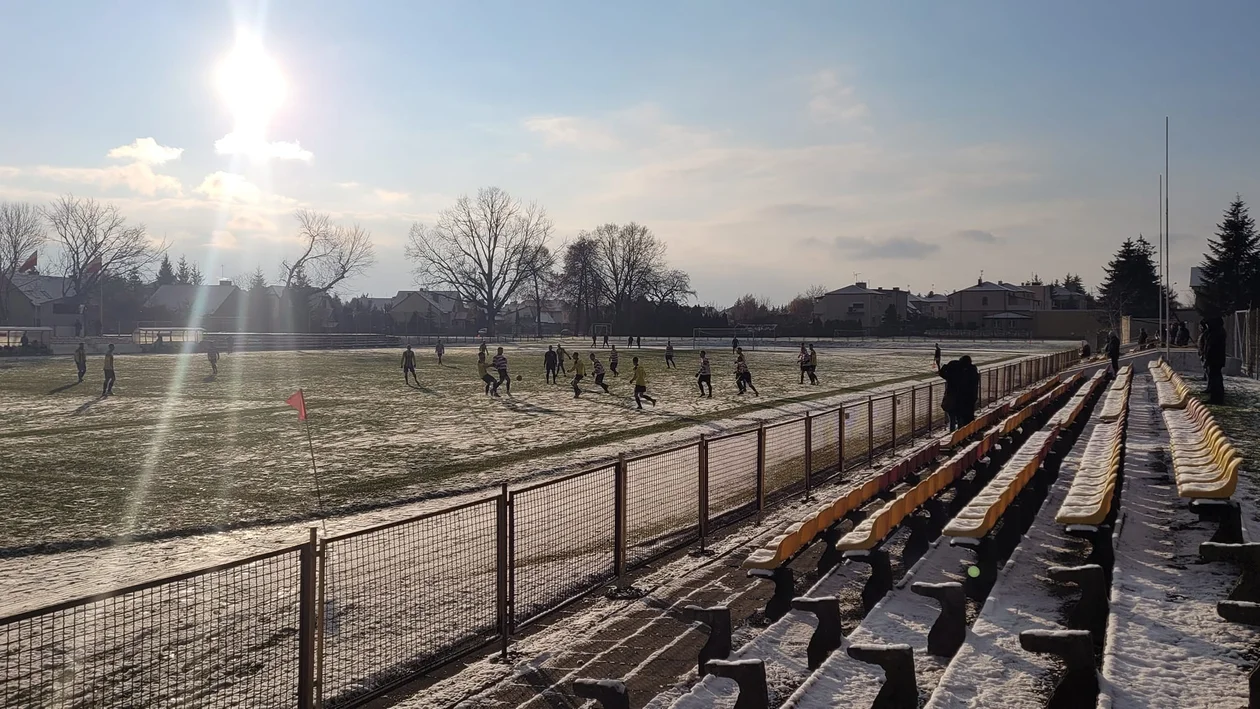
861,284
225,281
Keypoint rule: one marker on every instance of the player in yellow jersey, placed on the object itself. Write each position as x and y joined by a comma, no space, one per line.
579,373
108,388
640,385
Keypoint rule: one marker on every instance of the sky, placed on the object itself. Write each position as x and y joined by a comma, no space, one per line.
770,146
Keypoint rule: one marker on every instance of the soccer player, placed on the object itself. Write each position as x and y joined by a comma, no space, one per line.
605,339
734,345
640,385
705,375
669,355
813,366
549,364
598,369
501,364
630,342
561,356
579,373
803,360
936,358
212,354
409,366
108,388
612,361
743,375
492,387
440,349
80,361
593,345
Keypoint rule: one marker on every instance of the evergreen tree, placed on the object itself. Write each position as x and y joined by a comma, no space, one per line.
194,276
1073,282
166,274
182,273
1131,286
1231,268
257,281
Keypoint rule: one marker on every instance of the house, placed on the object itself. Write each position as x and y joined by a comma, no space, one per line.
862,304
975,307
521,317
1054,297
932,305
41,301
218,308
320,307
426,311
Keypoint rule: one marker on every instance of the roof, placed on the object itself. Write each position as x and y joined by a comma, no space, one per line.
1007,316
374,303
854,290
990,286
179,298
42,289
934,298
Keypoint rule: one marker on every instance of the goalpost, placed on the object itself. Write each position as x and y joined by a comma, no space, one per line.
748,335
601,330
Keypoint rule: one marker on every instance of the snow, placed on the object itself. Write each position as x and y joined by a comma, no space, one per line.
1166,646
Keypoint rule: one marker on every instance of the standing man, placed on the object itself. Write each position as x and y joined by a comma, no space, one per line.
936,358
108,388
605,338
640,385
1113,351
212,354
561,356
1214,360
440,349
734,345
1142,338
550,365
501,365
813,366
630,342
704,377
592,338
80,361
598,370
492,389
743,375
409,366
638,342
612,361
802,359
959,400
579,372
669,355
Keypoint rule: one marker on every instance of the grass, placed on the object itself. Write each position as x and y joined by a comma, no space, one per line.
178,449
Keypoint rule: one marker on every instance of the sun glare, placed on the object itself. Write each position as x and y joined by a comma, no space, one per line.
252,85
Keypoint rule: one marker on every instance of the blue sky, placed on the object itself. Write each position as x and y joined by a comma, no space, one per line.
771,145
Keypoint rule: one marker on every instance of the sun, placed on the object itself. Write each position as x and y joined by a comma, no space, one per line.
253,86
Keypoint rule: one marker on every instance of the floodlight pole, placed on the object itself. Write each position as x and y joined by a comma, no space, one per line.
1167,231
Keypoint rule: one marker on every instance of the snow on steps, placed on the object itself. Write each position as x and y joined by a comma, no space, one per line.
992,669
1166,646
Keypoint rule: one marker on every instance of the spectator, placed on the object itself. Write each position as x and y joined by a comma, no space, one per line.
1142,338
1214,360
1086,352
1113,351
962,380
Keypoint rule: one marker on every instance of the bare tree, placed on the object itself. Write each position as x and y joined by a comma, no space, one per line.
629,259
484,248
331,253
672,286
541,276
94,239
21,235
579,283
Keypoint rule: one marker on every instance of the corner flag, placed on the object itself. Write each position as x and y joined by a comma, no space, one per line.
297,401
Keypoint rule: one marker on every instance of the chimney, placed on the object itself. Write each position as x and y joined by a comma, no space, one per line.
979,281
861,284
896,289
225,281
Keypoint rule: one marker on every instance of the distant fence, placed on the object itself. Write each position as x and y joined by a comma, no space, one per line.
404,598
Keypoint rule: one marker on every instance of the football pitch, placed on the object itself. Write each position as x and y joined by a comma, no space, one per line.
176,448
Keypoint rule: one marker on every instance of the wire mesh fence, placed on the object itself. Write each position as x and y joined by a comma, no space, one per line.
661,501
732,472
785,457
221,637
562,540
407,597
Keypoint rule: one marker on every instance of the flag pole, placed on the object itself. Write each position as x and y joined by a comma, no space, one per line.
319,498
1167,232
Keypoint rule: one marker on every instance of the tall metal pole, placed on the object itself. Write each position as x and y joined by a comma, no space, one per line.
1167,227
1163,307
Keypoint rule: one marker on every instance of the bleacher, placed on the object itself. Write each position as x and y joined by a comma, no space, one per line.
1028,478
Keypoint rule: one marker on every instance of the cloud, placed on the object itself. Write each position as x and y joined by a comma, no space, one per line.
522,157
228,187
570,130
348,185
250,222
6,171
258,149
392,197
977,236
138,177
222,239
146,150
833,101
897,247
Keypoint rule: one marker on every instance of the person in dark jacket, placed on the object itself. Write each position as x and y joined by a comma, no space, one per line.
1113,352
962,380
1214,360
1142,338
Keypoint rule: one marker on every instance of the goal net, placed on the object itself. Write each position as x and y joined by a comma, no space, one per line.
747,335
600,330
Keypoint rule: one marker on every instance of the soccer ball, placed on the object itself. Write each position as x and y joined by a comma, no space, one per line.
518,377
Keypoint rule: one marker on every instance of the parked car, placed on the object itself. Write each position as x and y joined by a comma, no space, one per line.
482,332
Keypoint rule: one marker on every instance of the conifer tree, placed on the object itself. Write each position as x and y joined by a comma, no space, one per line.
1231,268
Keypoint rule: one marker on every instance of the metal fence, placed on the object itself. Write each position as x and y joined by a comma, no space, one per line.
404,598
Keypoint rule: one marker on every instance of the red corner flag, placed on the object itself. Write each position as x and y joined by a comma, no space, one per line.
298,402
30,263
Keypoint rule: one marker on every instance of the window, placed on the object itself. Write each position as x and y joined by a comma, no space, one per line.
984,300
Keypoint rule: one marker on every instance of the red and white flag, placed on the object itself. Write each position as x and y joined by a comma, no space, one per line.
297,401
29,264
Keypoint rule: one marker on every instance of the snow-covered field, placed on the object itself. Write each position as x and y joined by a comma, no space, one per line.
176,449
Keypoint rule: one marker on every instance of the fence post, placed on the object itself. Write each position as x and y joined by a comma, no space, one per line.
761,469
809,453
619,518
703,498
501,568
307,613
993,395
930,407
870,430
840,441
